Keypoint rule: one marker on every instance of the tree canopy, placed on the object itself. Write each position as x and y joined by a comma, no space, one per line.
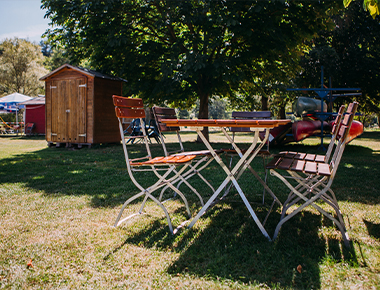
372,6
21,67
350,55
181,51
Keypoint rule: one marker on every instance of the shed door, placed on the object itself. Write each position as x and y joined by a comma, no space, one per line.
69,110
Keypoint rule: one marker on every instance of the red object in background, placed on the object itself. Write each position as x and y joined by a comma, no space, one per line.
300,130
304,129
35,113
357,128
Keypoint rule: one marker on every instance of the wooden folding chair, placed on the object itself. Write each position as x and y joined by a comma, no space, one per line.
313,179
319,157
167,169
204,157
264,153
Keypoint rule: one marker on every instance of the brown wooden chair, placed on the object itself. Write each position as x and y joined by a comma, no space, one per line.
319,157
312,180
264,153
167,169
204,157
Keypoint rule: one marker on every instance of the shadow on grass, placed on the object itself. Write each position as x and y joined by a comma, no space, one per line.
231,247
100,172
373,229
23,137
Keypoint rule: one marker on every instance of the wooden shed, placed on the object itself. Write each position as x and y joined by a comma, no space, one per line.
79,108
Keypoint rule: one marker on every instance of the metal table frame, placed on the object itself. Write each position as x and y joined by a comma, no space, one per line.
245,159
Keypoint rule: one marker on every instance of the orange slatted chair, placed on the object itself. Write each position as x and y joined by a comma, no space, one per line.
168,169
204,157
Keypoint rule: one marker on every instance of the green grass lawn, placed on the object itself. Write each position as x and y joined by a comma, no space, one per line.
58,206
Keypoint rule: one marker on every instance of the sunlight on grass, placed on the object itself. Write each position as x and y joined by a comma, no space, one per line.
58,207
348,165
76,171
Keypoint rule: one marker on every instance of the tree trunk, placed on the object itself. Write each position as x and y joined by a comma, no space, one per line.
203,113
264,103
281,113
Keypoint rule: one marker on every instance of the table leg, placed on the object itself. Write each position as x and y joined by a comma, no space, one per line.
231,177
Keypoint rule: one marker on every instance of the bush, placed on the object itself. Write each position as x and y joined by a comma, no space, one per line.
11,117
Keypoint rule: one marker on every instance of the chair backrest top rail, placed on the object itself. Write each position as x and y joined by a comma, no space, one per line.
252,115
125,102
263,123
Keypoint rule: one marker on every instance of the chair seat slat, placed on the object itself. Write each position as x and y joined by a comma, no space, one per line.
172,159
274,162
286,163
310,157
320,158
310,167
324,169
298,165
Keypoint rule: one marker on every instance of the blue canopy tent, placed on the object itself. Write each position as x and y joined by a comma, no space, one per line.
10,102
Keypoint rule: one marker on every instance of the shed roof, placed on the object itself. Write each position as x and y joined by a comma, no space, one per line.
85,71
35,101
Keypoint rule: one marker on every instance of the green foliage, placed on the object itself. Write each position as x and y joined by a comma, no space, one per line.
21,67
187,50
372,6
57,58
10,117
350,55
183,114
218,108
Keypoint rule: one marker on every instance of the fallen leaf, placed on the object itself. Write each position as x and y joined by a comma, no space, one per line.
29,264
299,269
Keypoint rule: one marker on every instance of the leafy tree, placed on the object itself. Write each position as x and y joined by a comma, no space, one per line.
372,6
187,50
21,67
58,57
45,48
218,109
351,57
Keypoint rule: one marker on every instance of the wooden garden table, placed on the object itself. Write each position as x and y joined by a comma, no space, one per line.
245,159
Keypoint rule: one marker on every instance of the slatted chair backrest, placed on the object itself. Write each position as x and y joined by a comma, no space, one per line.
131,108
255,115
342,135
128,107
161,113
334,131
287,162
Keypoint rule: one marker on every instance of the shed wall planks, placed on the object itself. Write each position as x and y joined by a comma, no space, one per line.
79,108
